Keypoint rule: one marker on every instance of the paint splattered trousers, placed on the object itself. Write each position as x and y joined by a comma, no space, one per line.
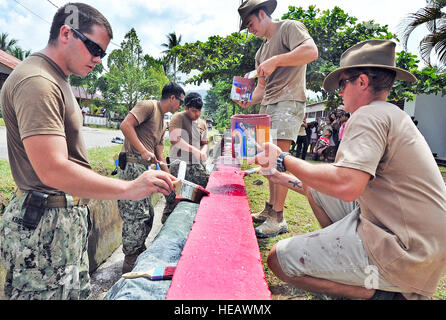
334,253
137,216
49,262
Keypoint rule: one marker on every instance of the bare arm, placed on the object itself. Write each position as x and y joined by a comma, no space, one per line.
299,56
343,183
284,179
48,155
128,129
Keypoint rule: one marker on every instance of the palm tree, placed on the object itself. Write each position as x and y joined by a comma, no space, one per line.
172,41
434,43
20,53
5,44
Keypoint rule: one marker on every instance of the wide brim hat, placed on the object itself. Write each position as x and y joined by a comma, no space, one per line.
371,53
247,7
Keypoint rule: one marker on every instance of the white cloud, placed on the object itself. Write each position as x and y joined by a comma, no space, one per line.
193,19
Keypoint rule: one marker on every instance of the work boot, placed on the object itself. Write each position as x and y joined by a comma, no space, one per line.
261,216
130,259
129,262
274,225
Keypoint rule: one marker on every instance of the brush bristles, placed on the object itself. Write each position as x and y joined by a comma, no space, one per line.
189,190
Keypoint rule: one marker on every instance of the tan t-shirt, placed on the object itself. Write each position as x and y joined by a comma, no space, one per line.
193,132
36,99
285,83
150,129
403,207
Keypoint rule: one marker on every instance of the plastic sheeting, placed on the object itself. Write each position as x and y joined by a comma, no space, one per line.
164,251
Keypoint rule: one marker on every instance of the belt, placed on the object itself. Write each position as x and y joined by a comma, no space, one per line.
56,201
133,158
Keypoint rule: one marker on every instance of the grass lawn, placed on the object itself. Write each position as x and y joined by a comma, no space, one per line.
300,219
297,213
101,160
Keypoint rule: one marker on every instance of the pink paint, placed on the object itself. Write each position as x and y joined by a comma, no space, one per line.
221,258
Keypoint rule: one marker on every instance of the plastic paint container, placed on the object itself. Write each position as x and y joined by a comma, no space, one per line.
248,131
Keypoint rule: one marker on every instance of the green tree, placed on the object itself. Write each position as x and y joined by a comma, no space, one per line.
170,56
219,58
90,81
19,53
430,81
434,43
10,46
333,31
5,43
132,76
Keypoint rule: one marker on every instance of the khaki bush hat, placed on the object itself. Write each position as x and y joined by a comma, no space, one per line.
370,53
247,7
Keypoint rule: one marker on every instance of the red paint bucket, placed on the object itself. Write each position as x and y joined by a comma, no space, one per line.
248,131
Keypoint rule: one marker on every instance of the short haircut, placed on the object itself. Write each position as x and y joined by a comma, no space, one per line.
345,113
193,100
79,16
172,89
381,79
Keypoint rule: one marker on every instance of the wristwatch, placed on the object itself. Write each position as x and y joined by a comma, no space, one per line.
280,163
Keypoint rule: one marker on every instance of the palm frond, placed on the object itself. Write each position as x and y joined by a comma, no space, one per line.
434,43
426,15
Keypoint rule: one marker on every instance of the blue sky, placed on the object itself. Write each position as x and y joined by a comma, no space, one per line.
193,19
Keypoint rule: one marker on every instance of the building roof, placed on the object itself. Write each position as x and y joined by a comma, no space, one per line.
9,60
80,92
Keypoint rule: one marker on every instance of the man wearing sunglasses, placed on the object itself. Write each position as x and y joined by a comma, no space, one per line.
382,203
143,129
44,230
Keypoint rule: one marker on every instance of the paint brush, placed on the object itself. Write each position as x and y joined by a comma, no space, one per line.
252,170
189,190
158,273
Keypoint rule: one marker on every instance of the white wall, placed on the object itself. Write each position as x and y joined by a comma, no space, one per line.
4,69
430,111
96,120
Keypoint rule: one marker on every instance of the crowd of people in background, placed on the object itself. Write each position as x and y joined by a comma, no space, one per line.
321,138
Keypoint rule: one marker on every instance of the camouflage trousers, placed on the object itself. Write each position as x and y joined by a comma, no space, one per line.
137,216
195,173
49,262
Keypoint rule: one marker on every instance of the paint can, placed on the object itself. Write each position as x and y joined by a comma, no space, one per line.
249,131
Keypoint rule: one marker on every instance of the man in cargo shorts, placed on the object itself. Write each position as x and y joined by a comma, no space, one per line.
143,129
382,203
44,230
281,66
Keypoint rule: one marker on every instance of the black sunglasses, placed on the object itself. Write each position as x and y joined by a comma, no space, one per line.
181,101
93,47
343,82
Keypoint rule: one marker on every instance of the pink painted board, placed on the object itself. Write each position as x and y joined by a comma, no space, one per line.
221,258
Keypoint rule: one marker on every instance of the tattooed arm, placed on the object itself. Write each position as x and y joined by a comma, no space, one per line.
284,179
